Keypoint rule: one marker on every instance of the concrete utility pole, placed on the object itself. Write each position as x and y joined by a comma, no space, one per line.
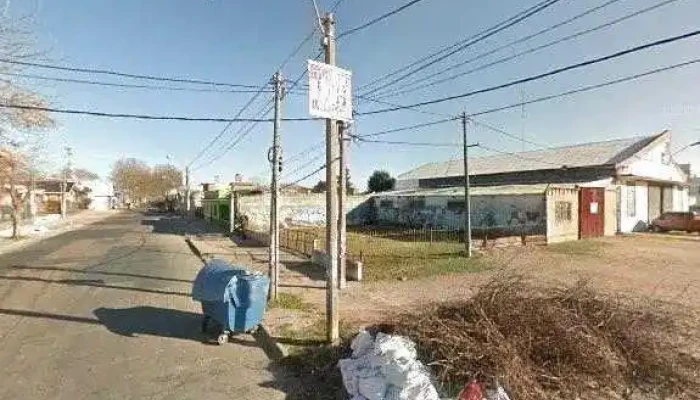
64,181
187,191
274,190
332,315
342,223
467,197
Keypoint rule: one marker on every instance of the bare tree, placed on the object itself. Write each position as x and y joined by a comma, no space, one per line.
19,128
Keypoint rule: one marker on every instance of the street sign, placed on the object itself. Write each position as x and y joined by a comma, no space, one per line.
330,91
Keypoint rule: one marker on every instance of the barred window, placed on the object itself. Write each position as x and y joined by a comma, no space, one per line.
562,211
631,200
417,202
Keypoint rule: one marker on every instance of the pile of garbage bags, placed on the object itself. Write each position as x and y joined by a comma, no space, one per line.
384,367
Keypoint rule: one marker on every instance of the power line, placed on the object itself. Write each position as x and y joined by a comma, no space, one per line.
408,128
251,101
306,164
409,89
125,85
543,75
589,88
505,133
377,19
307,176
440,51
479,37
139,116
407,143
124,74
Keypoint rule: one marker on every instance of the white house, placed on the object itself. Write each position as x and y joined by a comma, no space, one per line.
639,171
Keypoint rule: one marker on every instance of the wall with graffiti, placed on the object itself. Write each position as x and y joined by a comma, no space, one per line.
300,210
507,214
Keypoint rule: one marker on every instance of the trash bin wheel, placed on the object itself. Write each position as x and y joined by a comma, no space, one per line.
222,339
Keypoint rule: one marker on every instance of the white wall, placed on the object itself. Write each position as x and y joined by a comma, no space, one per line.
641,216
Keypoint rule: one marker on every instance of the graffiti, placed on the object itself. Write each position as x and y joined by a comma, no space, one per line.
487,212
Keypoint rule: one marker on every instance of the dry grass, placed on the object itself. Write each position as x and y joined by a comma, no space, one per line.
289,301
554,343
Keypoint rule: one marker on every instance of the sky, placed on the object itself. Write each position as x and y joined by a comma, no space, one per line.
244,42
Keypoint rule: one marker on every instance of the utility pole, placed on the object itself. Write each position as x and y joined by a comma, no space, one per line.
274,191
64,181
332,315
467,197
187,191
342,223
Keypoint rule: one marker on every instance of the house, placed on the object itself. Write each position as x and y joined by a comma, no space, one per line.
621,185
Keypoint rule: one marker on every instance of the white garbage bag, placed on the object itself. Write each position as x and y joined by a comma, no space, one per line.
373,388
362,344
419,388
348,370
358,397
396,371
394,347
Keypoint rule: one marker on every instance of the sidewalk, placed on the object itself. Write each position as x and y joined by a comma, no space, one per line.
48,226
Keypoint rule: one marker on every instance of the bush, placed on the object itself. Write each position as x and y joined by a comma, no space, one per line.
553,343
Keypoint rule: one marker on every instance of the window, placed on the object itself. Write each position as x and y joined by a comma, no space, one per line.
631,200
562,211
386,204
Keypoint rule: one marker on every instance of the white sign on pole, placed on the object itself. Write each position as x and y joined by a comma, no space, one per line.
330,91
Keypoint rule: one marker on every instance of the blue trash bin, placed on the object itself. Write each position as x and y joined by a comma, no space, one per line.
233,297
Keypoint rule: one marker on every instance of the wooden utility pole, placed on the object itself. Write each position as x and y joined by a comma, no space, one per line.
332,315
274,191
467,197
342,223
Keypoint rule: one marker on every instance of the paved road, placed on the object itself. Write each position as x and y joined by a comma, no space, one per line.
104,312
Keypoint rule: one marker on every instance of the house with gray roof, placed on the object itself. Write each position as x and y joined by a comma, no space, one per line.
621,184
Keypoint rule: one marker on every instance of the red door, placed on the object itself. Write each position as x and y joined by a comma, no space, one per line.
591,212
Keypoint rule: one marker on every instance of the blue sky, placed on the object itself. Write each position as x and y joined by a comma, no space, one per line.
244,41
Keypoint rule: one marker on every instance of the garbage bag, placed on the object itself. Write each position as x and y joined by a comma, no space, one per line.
396,372
373,388
358,397
394,347
362,344
348,370
473,391
418,387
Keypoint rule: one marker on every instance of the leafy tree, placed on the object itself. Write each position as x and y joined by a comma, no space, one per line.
380,181
320,187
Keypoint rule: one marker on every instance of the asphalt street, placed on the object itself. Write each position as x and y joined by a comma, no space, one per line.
104,312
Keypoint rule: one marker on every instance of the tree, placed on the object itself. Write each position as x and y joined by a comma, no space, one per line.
320,187
19,128
380,181
139,182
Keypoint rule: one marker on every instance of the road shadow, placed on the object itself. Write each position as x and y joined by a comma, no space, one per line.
94,272
152,321
306,268
99,283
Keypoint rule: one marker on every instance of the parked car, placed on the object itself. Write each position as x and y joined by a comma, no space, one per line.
676,221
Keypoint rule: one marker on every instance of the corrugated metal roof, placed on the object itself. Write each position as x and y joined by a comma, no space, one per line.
475,191
583,155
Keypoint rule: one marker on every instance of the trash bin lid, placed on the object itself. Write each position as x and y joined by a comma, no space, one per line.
216,281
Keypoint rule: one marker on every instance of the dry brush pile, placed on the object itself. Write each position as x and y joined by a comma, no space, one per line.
554,343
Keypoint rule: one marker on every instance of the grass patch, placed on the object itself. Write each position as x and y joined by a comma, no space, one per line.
290,301
391,255
578,248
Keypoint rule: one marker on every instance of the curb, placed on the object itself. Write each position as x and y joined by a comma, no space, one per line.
273,349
